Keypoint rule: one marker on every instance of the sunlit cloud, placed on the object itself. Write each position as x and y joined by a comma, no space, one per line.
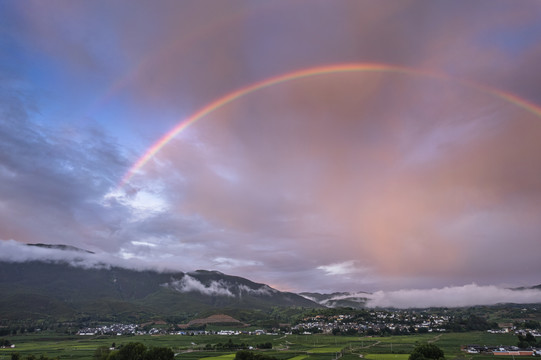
233,263
143,243
344,268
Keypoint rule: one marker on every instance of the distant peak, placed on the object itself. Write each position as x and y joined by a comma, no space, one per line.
207,272
61,247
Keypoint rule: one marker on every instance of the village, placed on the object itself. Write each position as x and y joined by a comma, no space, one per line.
374,323
370,323
132,329
501,350
367,323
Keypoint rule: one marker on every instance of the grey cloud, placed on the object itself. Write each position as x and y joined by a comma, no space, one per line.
188,283
15,251
217,288
452,296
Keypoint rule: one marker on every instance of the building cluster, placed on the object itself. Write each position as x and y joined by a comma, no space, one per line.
524,332
131,329
113,329
374,322
507,350
500,350
237,332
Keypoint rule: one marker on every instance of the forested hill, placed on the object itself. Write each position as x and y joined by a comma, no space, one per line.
36,289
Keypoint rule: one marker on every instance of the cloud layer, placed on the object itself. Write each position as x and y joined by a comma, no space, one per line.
217,287
188,284
452,296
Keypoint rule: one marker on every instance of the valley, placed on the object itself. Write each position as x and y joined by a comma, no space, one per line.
56,310
284,346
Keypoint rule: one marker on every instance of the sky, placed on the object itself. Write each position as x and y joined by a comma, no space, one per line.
349,145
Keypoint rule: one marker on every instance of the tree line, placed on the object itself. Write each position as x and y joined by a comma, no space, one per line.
527,341
134,351
230,346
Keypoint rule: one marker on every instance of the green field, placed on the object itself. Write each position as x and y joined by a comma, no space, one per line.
285,347
325,350
299,357
386,356
221,357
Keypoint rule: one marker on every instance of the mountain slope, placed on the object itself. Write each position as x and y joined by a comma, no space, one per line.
38,289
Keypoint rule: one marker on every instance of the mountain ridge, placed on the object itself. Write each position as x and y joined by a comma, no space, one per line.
75,283
61,247
41,289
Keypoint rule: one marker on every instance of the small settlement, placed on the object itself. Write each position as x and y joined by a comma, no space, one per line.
369,324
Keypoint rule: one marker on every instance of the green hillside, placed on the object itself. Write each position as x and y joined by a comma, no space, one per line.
41,290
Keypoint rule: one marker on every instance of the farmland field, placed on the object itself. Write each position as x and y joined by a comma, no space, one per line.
285,347
221,357
386,356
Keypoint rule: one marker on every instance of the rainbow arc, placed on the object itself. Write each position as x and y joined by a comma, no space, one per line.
305,73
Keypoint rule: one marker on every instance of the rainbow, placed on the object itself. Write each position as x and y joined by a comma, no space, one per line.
321,70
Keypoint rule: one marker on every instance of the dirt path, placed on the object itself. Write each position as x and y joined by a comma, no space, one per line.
434,339
367,346
364,347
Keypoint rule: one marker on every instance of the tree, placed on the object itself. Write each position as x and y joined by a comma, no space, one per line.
5,343
532,324
530,339
132,351
426,351
135,351
159,353
526,341
244,355
101,353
